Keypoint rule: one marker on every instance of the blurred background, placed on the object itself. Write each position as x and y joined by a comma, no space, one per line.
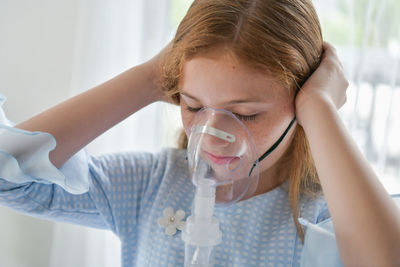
52,50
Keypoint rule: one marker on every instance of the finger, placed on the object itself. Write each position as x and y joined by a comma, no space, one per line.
329,50
330,53
329,47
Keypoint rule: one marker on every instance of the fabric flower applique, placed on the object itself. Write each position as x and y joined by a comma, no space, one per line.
172,221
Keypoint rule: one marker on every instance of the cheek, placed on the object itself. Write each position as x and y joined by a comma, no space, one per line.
263,132
268,130
273,124
265,138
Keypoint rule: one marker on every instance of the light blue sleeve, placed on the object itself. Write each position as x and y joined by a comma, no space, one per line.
320,247
24,157
120,184
104,192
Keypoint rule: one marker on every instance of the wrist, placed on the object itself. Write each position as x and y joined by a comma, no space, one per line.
152,73
311,105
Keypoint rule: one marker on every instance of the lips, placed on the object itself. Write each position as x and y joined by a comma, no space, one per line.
220,160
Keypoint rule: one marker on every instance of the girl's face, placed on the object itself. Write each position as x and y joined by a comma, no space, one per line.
265,107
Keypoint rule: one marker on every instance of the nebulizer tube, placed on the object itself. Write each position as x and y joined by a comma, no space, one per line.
221,153
202,233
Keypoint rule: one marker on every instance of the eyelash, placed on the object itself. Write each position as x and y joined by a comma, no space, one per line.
241,117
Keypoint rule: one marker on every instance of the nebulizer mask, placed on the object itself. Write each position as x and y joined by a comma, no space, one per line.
224,167
223,161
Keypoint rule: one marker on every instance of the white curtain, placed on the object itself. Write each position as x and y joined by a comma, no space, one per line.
113,36
366,34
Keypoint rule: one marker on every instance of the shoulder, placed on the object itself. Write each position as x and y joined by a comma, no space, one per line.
147,165
158,160
314,208
320,247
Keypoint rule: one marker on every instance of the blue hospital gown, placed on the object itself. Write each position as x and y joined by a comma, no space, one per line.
128,192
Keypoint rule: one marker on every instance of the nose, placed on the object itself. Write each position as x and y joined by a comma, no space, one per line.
214,142
216,136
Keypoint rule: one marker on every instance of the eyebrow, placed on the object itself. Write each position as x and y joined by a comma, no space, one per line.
237,101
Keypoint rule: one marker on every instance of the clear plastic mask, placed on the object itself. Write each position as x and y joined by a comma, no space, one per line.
222,152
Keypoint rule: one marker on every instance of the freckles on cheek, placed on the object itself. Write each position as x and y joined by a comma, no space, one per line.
265,132
288,108
261,135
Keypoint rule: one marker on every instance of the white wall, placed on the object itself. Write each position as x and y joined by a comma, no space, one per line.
36,53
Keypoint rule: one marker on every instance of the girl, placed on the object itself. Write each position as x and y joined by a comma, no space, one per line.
253,58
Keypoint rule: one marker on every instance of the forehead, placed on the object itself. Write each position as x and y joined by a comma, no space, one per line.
223,78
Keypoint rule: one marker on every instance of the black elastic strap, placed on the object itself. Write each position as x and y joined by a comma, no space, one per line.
272,148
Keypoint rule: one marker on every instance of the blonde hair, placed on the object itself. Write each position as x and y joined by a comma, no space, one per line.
280,37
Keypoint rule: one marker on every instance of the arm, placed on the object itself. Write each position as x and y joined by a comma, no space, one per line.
116,180
77,121
366,220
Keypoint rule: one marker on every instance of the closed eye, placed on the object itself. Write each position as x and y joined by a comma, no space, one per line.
241,117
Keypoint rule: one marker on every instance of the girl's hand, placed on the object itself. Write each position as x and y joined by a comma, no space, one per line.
155,64
327,85
349,184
